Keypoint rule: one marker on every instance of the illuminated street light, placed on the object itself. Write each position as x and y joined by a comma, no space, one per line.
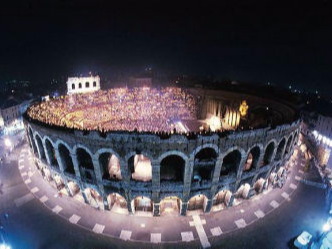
326,227
8,144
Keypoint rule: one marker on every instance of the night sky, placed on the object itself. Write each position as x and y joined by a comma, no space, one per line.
247,41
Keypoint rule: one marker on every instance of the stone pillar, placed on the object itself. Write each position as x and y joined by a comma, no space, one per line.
105,201
60,163
208,206
184,208
231,200
258,166
125,173
156,207
82,192
188,172
216,175
97,171
66,184
76,166
155,176
239,171
46,153
129,200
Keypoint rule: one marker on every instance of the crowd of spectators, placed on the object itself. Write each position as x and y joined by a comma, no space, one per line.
119,109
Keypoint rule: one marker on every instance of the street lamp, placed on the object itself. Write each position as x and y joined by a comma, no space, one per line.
8,144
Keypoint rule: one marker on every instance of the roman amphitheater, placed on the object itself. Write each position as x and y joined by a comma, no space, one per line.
165,151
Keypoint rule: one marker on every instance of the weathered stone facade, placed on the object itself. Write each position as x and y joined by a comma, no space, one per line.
269,149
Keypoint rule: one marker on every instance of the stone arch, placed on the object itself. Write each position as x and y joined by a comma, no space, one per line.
252,158
40,147
289,144
142,205
84,157
65,158
231,162
268,152
73,86
197,203
94,198
50,150
117,203
208,145
204,163
110,166
172,168
32,140
243,191
280,149
139,166
170,205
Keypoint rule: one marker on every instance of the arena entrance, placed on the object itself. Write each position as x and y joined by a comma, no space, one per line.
230,163
241,193
170,206
221,200
94,199
172,168
111,166
75,191
142,206
60,185
117,203
205,161
197,205
259,185
140,168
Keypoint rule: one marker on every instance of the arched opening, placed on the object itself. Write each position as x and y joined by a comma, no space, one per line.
85,164
117,203
142,205
230,163
40,148
110,165
170,206
66,159
47,174
75,191
197,203
73,86
33,144
87,84
94,199
221,200
140,168
259,185
268,154
60,185
288,146
79,85
94,84
280,149
51,153
252,159
241,193
172,168
205,161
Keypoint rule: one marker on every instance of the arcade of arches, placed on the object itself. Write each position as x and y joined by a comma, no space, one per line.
71,162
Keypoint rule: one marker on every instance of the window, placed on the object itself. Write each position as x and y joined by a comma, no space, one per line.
80,85
87,84
73,86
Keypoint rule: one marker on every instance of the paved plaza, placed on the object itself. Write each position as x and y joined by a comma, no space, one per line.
40,218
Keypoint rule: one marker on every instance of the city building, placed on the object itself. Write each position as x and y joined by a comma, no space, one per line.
83,84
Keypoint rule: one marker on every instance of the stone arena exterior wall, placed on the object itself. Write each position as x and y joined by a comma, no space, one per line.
124,145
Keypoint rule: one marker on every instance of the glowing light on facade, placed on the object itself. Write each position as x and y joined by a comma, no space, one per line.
243,108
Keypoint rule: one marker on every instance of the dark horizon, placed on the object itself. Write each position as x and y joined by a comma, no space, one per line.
285,44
